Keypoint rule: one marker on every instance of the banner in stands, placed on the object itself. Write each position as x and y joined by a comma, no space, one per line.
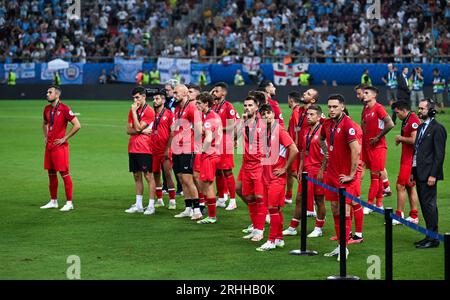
127,69
251,64
169,67
196,70
72,75
288,74
23,71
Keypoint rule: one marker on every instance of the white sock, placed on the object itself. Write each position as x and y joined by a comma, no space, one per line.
220,199
358,234
318,228
151,202
54,201
232,200
197,210
172,201
139,201
225,197
160,199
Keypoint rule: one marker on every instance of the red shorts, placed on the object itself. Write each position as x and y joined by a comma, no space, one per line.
313,189
375,159
57,159
352,188
197,162
274,194
226,162
404,175
252,183
158,161
208,167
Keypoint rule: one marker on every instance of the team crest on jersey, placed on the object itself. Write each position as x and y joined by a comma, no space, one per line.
164,118
58,113
281,116
339,130
258,130
351,131
221,110
232,112
207,125
415,125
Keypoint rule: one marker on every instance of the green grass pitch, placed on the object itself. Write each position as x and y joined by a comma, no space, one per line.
111,244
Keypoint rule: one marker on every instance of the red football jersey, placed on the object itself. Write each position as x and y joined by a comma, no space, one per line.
372,124
312,152
301,127
212,122
183,133
338,135
359,137
293,121
228,116
277,111
253,143
161,131
276,141
57,119
141,143
409,125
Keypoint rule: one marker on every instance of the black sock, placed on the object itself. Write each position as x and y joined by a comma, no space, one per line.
196,202
188,203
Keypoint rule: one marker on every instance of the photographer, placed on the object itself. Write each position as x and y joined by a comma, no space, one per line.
417,87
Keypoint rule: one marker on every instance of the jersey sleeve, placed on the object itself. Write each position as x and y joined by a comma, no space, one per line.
323,132
44,115
278,114
231,112
68,114
381,111
285,138
149,116
413,124
350,132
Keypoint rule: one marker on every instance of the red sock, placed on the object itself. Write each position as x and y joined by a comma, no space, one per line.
280,227
172,194
386,183
359,217
220,185
53,184
289,194
414,214
274,223
380,193
261,212
399,213
252,212
159,194
310,200
352,211
320,223
202,198
67,185
211,207
373,190
294,223
336,226
231,183
348,228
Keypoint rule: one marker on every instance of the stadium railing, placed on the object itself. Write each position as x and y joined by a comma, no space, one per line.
388,216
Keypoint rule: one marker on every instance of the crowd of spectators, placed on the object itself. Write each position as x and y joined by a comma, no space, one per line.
303,30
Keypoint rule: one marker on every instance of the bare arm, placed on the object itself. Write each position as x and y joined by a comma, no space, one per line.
75,127
138,125
406,140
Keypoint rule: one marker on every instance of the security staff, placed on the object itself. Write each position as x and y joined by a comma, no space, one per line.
145,78
304,79
155,77
11,78
56,78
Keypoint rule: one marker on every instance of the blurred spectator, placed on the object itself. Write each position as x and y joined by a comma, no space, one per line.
102,79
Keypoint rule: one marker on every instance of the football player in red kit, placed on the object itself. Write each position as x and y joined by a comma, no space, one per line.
56,158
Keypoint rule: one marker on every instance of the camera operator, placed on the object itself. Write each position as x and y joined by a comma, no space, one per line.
417,87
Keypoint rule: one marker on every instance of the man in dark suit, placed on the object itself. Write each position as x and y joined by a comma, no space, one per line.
403,92
428,161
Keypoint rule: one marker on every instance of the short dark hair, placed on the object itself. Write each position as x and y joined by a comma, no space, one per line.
56,87
316,95
430,103
253,99
265,83
138,90
360,87
265,107
222,85
337,97
401,105
435,70
295,96
316,107
206,97
194,86
259,96
372,88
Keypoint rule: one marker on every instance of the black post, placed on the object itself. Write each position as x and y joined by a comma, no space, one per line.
303,250
388,242
342,242
447,255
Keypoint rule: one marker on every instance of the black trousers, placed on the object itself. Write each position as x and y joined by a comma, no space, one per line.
428,203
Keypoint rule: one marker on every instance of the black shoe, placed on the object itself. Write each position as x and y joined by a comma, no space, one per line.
203,209
428,244
421,241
